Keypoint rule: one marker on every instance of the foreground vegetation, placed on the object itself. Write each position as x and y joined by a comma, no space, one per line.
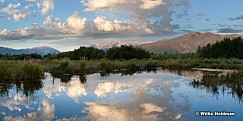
33,69
20,71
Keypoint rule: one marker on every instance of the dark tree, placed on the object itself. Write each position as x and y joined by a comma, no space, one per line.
127,52
224,49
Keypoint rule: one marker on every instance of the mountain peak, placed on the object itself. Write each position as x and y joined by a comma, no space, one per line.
187,43
118,43
43,50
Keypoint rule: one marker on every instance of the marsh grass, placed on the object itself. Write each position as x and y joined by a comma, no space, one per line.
32,69
20,71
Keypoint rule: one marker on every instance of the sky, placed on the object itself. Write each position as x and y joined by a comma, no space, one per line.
69,24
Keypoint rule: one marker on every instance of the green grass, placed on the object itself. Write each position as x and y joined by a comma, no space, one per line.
20,71
33,69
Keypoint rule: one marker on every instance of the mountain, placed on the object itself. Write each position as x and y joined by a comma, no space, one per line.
118,43
187,43
44,50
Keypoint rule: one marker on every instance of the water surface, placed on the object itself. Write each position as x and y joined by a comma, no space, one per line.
146,96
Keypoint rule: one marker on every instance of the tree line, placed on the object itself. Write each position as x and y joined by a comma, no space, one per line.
20,56
88,53
226,48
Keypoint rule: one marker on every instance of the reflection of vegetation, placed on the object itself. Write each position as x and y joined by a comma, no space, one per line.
231,84
27,88
65,78
82,79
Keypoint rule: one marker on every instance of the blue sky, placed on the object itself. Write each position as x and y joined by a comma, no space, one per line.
68,24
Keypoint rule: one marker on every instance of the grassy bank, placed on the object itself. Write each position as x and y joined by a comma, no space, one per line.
33,69
20,71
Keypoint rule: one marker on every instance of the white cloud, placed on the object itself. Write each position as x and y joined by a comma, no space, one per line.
19,16
28,6
12,105
28,117
48,110
76,22
46,6
76,90
2,1
94,5
150,4
24,32
47,21
11,8
105,25
150,16
150,107
4,32
116,87
107,112
30,0
19,97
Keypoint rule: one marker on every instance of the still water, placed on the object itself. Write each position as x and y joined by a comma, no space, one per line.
146,96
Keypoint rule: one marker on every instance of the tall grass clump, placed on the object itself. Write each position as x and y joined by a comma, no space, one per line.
5,73
61,69
82,66
28,72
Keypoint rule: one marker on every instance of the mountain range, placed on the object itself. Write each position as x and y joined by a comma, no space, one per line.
187,43
118,43
44,50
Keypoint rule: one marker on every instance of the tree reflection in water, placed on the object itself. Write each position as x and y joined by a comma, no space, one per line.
28,88
231,84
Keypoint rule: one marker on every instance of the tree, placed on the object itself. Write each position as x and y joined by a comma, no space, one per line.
224,49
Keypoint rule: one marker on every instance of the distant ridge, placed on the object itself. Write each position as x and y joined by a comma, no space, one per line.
117,43
43,50
187,43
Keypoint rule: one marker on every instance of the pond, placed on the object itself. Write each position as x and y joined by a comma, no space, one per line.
145,96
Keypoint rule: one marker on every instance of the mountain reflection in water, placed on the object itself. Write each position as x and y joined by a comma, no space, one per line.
134,96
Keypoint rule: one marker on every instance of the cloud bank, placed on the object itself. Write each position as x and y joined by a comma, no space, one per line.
142,17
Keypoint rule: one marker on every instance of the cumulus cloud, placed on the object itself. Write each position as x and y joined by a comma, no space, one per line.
19,16
30,0
12,105
11,8
107,112
2,1
76,22
47,21
117,87
94,5
46,6
47,111
151,16
150,4
150,107
4,32
143,17
76,90
108,26
107,87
